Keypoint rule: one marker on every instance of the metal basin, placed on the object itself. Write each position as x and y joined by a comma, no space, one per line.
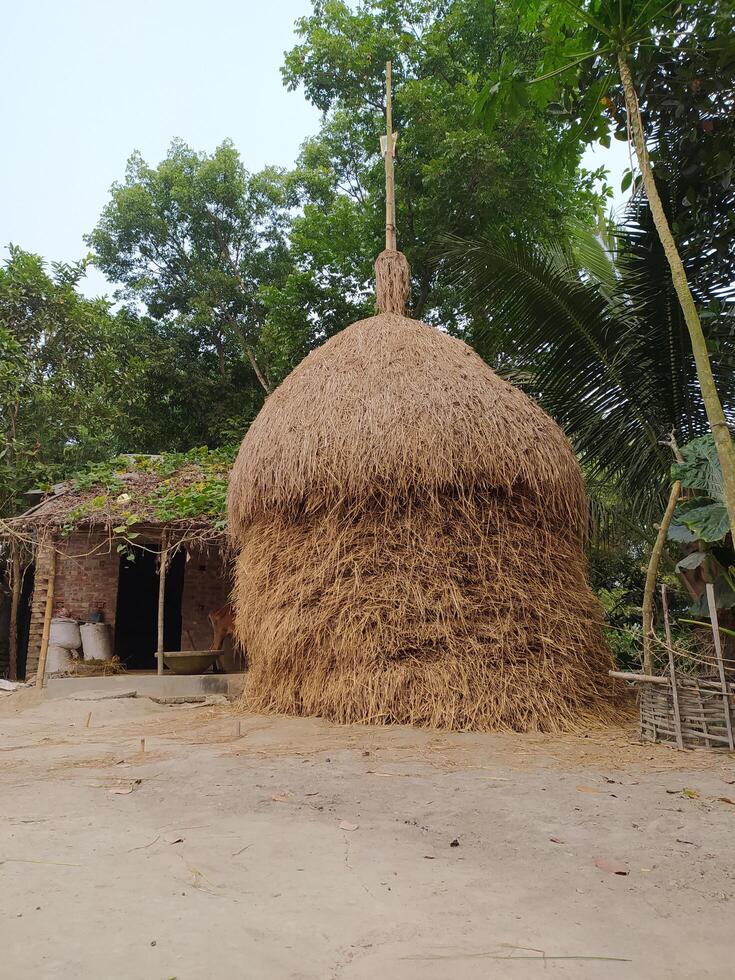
190,661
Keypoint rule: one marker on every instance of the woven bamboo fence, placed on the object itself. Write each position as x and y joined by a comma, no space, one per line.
685,710
702,712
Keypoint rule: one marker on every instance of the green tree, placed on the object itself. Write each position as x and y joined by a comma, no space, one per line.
590,49
594,331
198,238
60,374
451,174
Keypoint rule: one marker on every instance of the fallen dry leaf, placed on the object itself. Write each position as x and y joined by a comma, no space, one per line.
612,867
346,825
556,840
725,799
281,798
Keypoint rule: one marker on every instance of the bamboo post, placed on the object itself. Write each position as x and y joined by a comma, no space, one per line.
163,562
713,405
41,674
15,586
650,585
720,665
388,149
672,669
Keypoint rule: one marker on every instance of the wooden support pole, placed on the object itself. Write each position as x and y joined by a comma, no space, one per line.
625,675
41,674
720,665
388,148
672,670
651,574
15,586
163,562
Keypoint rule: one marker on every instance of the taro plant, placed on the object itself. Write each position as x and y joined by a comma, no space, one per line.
701,526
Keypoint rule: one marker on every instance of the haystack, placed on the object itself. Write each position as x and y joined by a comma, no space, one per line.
409,534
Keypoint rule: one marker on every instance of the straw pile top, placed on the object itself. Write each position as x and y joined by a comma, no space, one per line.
389,408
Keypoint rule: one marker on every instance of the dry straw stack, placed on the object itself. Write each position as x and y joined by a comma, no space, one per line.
408,528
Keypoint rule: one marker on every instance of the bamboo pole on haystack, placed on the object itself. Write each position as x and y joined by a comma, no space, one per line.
163,562
392,273
388,149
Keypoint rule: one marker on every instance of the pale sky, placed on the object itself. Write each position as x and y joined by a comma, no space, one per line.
86,82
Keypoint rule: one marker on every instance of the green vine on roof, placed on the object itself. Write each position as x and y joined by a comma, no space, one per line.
171,499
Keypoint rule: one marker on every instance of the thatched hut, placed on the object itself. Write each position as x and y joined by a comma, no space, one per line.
137,543
409,532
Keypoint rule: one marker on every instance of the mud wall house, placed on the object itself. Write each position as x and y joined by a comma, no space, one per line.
101,545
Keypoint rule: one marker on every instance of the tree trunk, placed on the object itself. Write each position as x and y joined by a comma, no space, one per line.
712,404
254,364
650,586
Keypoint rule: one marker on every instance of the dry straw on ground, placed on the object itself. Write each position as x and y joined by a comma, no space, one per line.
409,533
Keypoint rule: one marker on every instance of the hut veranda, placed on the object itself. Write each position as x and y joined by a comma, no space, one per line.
92,549
409,529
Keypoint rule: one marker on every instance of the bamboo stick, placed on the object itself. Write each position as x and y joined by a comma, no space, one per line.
645,678
389,153
651,573
163,561
41,674
15,586
672,671
720,665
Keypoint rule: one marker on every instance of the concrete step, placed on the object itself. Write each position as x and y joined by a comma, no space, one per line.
167,685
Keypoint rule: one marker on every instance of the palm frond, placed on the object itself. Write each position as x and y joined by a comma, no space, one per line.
600,341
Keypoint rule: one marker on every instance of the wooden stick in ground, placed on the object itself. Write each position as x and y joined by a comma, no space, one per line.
651,574
672,670
161,600
41,675
720,665
15,586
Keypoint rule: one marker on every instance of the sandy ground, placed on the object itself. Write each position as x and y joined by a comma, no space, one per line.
298,849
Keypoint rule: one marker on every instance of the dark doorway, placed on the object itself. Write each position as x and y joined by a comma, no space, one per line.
24,616
136,619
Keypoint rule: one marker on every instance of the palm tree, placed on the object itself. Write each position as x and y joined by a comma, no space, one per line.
615,34
595,332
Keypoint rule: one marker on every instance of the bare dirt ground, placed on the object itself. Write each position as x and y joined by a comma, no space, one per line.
304,850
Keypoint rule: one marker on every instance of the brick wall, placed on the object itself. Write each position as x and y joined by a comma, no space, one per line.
87,566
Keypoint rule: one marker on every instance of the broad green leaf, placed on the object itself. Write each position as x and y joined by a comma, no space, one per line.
694,560
708,521
724,598
700,469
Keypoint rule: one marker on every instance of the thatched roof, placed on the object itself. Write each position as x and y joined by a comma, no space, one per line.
391,406
177,491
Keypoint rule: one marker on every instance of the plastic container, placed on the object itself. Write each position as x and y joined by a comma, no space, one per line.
65,633
58,658
97,641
